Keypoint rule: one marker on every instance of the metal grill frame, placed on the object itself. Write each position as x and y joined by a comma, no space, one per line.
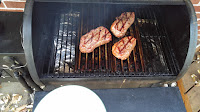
101,56
28,43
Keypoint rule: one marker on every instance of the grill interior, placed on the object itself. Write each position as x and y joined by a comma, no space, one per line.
57,31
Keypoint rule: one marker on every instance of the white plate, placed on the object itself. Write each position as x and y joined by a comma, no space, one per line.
71,98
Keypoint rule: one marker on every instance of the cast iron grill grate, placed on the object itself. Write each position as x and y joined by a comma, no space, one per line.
152,56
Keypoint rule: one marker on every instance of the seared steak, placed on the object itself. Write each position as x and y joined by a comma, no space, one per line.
123,48
94,38
122,23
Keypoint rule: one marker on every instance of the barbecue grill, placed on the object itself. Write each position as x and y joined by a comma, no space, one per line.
166,33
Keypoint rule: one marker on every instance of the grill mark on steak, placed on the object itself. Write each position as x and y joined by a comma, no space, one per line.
121,20
104,37
129,41
94,38
123,48
98,39
122,23
99,35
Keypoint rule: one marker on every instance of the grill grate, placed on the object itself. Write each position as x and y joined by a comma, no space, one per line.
152,55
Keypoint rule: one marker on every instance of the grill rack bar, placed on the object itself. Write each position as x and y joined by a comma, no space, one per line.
163,30
158,42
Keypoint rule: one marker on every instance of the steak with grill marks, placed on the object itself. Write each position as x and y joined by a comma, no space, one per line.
94,38
122,23
123,48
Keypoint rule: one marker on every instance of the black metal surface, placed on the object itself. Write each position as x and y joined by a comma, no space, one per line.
62,57
138,100
145,2
106,82
10,42
23,82
7,74
30,81
10,38
193,39
45,18
27,42
21,74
